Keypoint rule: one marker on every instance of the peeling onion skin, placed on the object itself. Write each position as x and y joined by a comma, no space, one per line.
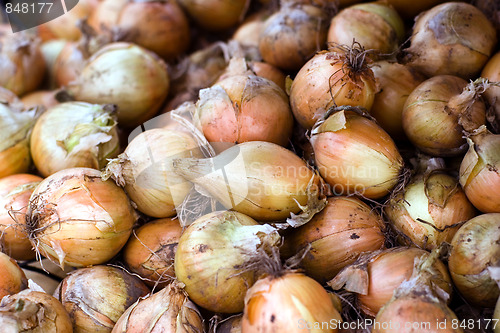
453,38
41,98
215,15
492,72
13,279
475,247
96,297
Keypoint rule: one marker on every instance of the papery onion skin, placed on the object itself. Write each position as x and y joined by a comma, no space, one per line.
338,234
231,325
211,255
432,123
491,71
375,25
453,38
75,218
355,155
106,14
96,297
69,63
268,71
34,311
286,303
168,310
480,172
476,246
15,192
215,15
13,279
51,50
41,98
150,251
133,78
74,134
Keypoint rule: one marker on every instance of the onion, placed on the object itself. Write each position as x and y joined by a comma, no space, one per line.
127,75
475,247
355,156
338,234
492,72
150,251
12,279
491,8
74,134
215,15
50,51
480,171
260,179
409,9
453,38
376,275
96,297
334,78
212,255
21,62
40,98
33,311
292,35
231,325
396,82
75,218
438,111
146,173
169,310
69,63
248,32
66,26
15,192
375,25
106,14
269,72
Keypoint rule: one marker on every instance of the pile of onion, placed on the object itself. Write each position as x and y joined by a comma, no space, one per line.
74,134
337,77
15,192
74,218
215,15
12,279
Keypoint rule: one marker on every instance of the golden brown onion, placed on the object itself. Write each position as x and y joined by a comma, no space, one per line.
491,71
215,15
12,279
41,98
66,26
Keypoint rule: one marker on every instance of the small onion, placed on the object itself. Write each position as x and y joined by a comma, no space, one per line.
150,251
492,72
269,72
43,98
475,247
69,63
12,279
33,311
77,219
480,171
332,78
211,258
292,35
260,179
96,297
356,156
437,112
74,134
168,310
338,234
127,75
146,173
105,14
215,15
453,38
65,26
15,192
248,32
375,25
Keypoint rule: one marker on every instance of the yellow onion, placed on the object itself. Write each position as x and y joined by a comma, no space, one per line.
268,71
337,77
74,134
105,14
146,172
248,32
50,51
437,112
480,171
212,255
454,38
292,35
429,209
134,79
289,302
22,63
15,129
376,275
168,310
41,98
33,311
77,219
491,8
96,297
231,325
396,82
215,15
69,63
244,107
260,179
338,234
150,251
375,25
475,247
491,71
15,192
409,9
12,279
356,156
